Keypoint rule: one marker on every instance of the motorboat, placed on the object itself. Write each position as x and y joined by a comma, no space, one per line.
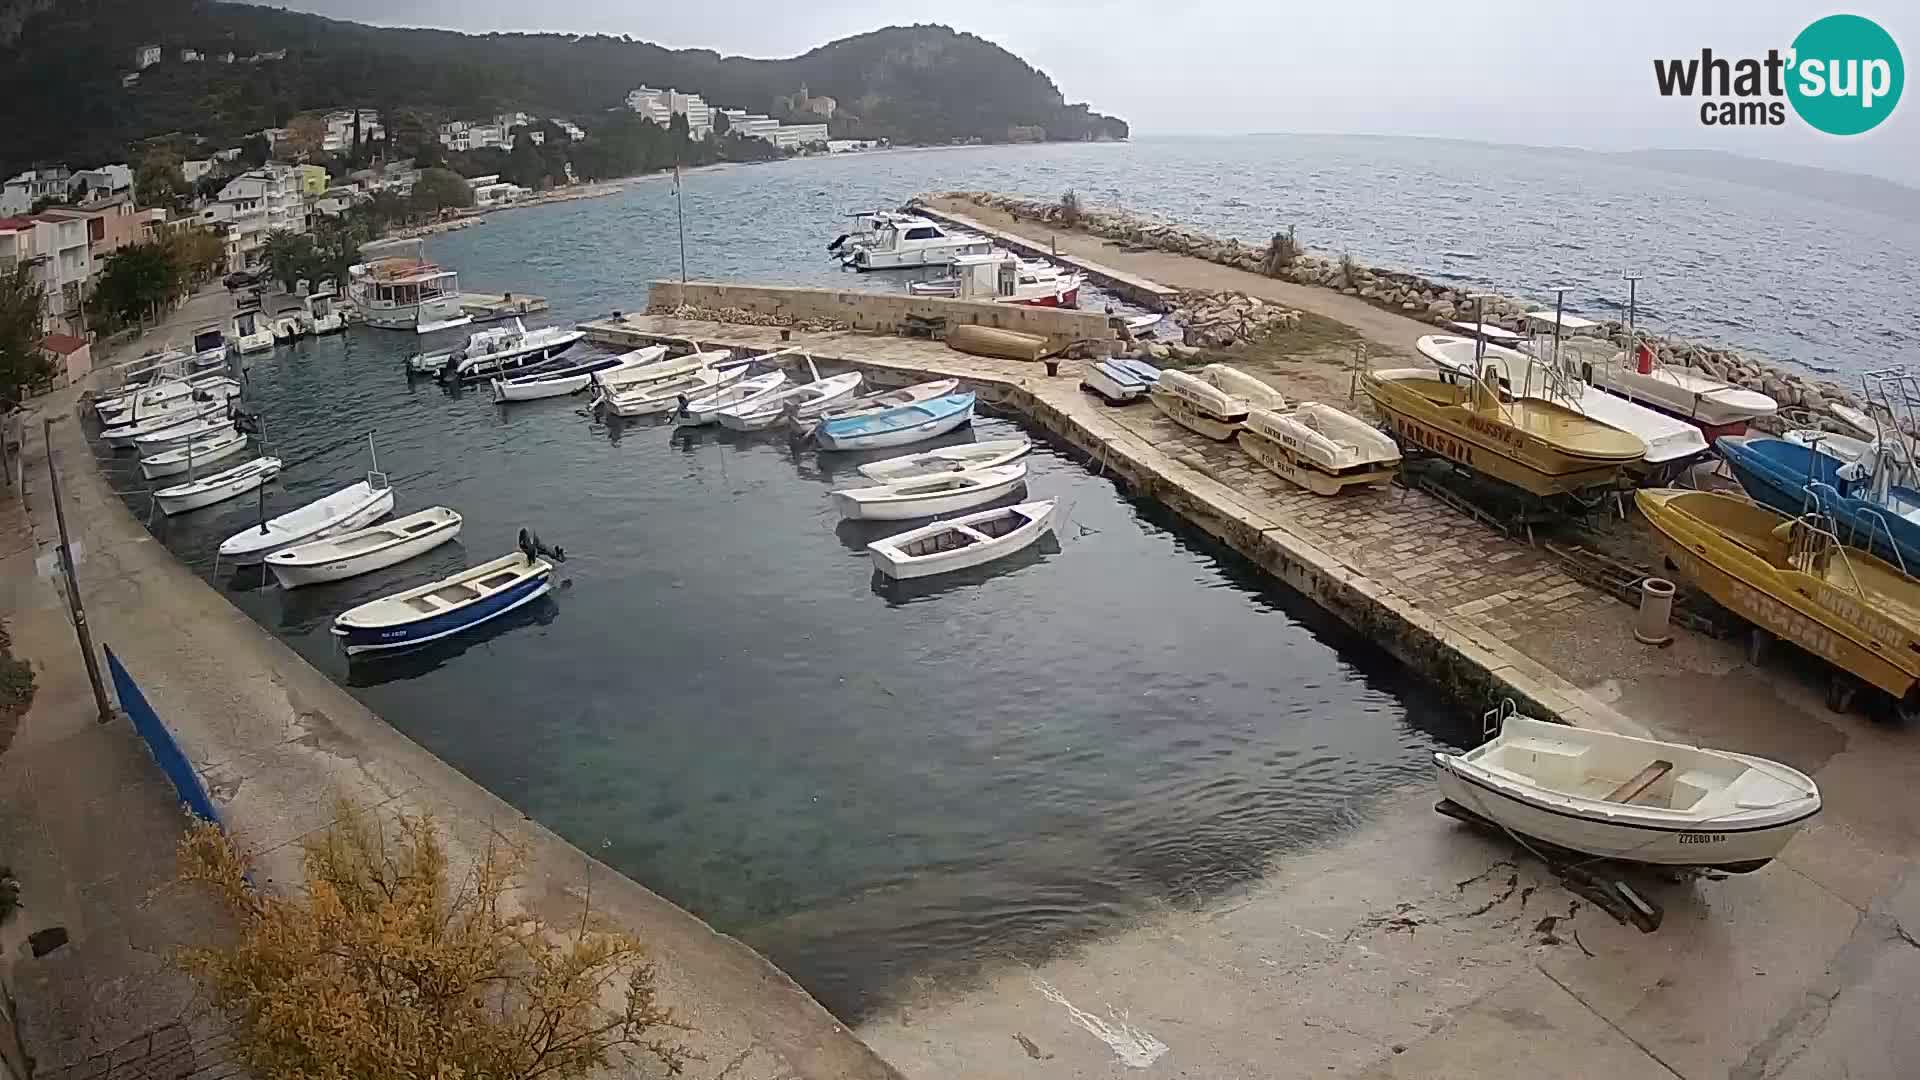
963,542
986,454
1612,796
664,395
902,242
287,326
1715,405
553,382
175,414
1670,442
495,351
743,394
182,433
1119,382
252,333
1198,405
930,496
1537,446
167,396
365,550
396,288
801,404
320,315
1842,448
350,508
1001,277
866,228
900,426
652,365
449,606
205,450
1872,502
882,400
216,487
1792,577
1319,447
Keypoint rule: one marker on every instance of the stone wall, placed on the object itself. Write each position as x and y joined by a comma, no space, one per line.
881,313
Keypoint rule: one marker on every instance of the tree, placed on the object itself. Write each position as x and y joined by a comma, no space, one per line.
159,181
255,150
289,256
306,137
135,280
379,968
435,190
23,312
196,251
525,166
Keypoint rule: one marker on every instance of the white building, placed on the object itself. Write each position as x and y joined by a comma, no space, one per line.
31,186
252,205
194,171
105,180
750,125
660,106
461,135
797,136
574,133
498,194
61,261
146,56
191,56
339,136
651,104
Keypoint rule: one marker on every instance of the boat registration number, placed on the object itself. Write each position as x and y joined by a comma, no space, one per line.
1702,837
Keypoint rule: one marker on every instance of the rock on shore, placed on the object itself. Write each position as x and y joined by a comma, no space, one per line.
742,317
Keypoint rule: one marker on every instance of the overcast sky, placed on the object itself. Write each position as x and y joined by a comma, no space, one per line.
1546,73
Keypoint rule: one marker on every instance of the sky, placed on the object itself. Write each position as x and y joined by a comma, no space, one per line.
1551,72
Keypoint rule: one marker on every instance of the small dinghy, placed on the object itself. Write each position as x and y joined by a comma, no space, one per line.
902,426
986,454
218,487
1140,324
343,511
1118,382
929,496
176,414
450,605
146,403
652,365
963,542
172,438
1198,405
882,400
653,398
1637,800
219,446
800,404
1320,447
352,554
556,382
744,394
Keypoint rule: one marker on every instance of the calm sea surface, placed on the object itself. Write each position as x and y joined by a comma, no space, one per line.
874,783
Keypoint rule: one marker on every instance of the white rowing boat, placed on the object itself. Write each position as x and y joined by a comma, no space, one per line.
805,402
963,542
218,487
342,511
743,394
653,365
364,551
219,446
882,400
445,607
183,412
985,454
655,397
558,382
172,438
929,496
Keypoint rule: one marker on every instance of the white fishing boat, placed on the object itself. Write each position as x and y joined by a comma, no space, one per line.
496,350
985,454
652,365
445,607
962,542
196,454
806,402
882,400
903,242
553,382
1001,277
175,414
218,487
1118,382
319,315
252,333
663,396
140,403
744,394
1638,800
365,550
1198,405
1688,393
182,433
930,496
343,511
1319,447
900,426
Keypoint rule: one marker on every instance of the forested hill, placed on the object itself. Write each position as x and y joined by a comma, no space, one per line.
61,97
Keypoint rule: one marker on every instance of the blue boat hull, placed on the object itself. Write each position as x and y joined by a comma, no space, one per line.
1794,479
897,427
359,640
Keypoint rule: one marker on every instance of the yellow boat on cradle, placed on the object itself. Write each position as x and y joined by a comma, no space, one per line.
1793,578
1534,445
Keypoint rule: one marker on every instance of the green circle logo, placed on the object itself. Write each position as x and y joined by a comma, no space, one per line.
1847,75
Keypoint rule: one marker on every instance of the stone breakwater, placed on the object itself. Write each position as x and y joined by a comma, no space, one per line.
1804,401
742,317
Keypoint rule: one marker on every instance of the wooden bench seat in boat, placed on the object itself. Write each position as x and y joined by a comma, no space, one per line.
1638,784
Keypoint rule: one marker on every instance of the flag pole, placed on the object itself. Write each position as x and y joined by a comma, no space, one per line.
681,206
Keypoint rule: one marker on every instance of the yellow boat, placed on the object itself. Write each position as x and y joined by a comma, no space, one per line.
1534,445
1793,578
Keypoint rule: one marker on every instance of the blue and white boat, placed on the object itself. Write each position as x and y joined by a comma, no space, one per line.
1118,382
900,426
1870,502
448,606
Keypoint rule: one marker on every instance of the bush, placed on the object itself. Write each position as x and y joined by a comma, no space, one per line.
1282,252
1070,208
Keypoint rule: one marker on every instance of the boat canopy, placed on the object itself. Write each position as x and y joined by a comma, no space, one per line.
1567,322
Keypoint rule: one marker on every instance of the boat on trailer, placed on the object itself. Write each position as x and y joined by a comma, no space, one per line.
1120,382
445,607
218,487
341,511
800,404
1320,448
900,426
963,542
986,454
929,496
1636,800
365,550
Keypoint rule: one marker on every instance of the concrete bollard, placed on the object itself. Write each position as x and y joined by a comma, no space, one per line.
1656,610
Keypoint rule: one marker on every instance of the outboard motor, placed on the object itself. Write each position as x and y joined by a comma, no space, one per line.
450,371
841,239
532,548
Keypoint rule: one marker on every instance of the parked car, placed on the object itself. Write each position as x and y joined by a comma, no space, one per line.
240,279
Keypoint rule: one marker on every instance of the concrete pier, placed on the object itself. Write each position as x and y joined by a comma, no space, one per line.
1132,288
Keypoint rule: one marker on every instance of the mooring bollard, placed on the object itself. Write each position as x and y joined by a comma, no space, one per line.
1656,610
1053,366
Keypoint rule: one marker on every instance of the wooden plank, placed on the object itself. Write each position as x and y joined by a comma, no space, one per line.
1641,781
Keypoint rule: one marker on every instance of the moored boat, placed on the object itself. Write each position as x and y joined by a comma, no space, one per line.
800,404
929,496
1614,796
553,382
651,365
365,550
1004,278
445,607
167,415
986,454
663,395
251,332
905,241
218,487
1319,447
342,511
194,454
882,400
496,350
1198,405
181,433
143,403
1118,382
901,426
743,394
963,542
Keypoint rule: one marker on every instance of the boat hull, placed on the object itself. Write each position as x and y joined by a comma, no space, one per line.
1300,470
544,388
375,508
357,640
1115,383
889,563
180,504
907,509
296,575
1193,418
990,454
164,465
506,363
1783,484
902,436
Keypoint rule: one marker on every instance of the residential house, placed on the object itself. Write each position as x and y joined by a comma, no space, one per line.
232,153
190,56
196,170
105,181
252,205
334,201
313,179
498,194
574,133
31,186
146,56
56,249
339,137
72,357
112,222
461,135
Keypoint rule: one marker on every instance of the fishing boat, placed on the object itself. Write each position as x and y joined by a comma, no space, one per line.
318,315
396,288
882,400
175,414
210,347
553,382
1614,796
142,403
251,332
496,350
963,542
653,365
664,395
743,394
1319,448
901,426
342,511
1534,445
205,450
1119,382
445,607
929,496
182,433
217,487
1871,502
986,454
1198,405
902,242
1792,577
1001,277
1670,442
804,403
365,550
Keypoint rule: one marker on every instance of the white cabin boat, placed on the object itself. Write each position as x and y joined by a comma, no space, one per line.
364,551
663,395
398,289
1637,800
210,347
963,542
930,496
1320,448
287,326
252,333
1001,277
195,454
496,350
442,608
986,454
343,511
744,394
319,315
218,487
802,404
903,242
1714,404
1198,405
